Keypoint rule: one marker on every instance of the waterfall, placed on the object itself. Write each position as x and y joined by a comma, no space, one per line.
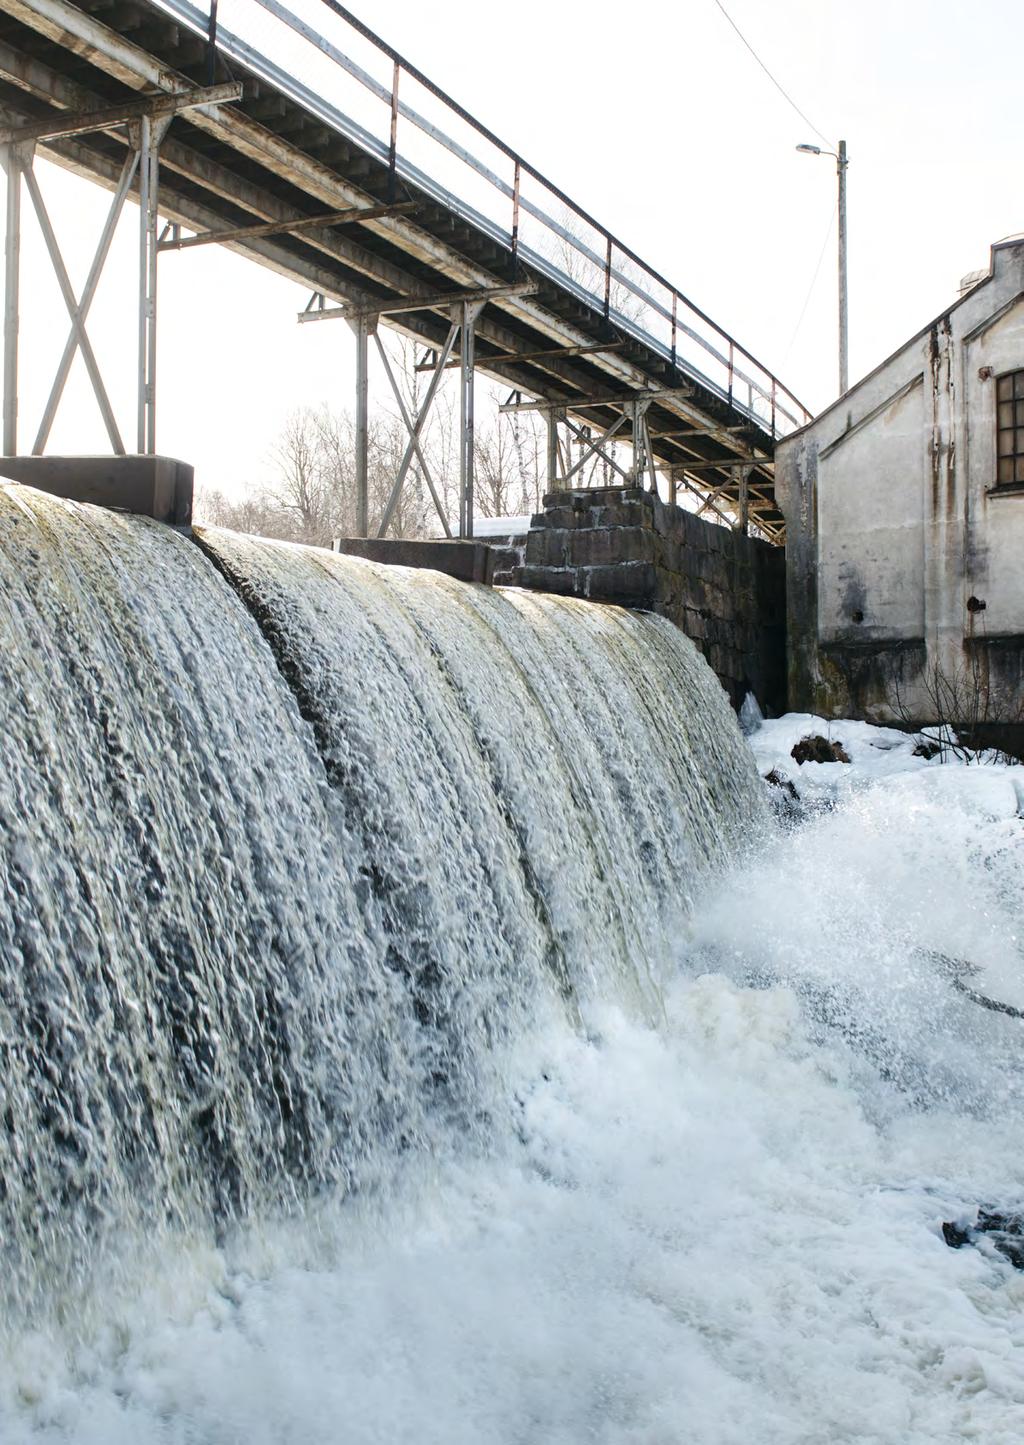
293,848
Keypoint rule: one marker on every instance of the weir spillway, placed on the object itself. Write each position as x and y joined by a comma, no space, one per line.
294,847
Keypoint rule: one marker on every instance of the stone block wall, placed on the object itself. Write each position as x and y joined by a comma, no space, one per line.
726,591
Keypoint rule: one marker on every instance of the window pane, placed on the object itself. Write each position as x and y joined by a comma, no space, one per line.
1019,473
1005,388
1018,441
1019,410
1018,383
1005,469
1006,413
1006,443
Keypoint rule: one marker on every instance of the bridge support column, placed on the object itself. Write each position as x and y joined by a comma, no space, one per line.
414,425
741,476
13,158
634,409
146,138
468,313
551,418
146,121
463,310
361,330
643,452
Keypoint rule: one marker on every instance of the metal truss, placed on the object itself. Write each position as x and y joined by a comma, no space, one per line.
634,409
646,467
463,310
146,122
280,160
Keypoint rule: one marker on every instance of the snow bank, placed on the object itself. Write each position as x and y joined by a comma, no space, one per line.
987,785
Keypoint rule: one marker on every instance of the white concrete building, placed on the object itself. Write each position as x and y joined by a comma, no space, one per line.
904,505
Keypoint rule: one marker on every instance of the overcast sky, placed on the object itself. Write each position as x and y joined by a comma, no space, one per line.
657,120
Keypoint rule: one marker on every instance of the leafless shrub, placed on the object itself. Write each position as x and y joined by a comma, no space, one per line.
963,708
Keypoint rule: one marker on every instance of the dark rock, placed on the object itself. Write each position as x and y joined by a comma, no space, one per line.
816,749
787,785
786,803
927,749
1005,1230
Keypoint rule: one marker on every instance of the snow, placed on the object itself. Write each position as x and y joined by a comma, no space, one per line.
485,527
986,784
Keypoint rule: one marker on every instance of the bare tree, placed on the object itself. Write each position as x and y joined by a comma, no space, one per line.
253,513
591,274
301,492
963,708
413,511
312,498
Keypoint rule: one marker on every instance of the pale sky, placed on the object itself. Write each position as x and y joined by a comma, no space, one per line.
657,120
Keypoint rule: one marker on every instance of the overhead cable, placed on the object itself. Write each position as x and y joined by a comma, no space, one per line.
780,88
810,289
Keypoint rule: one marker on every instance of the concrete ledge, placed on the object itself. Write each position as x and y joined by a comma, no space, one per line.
158,487
466,561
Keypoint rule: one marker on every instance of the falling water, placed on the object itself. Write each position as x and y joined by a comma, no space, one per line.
414,1032
284,877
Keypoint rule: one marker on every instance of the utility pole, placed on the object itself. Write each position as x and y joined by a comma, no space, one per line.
844,314
842,163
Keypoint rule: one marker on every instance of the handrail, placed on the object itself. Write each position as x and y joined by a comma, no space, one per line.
768,390
523,165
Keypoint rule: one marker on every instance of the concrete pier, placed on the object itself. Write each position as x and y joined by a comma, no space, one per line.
468,561
157,487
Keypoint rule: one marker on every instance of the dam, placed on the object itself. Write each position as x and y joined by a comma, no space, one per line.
415,1027
294,844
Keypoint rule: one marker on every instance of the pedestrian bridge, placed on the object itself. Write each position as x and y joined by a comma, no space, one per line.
296,137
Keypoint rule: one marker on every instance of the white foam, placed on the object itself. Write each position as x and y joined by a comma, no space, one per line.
723,1230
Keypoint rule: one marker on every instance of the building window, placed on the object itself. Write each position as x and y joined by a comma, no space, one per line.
1010,428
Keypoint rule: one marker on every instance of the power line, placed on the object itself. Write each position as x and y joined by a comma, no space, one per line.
810,289
782,91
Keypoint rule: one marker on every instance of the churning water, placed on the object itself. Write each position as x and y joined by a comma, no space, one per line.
413,1031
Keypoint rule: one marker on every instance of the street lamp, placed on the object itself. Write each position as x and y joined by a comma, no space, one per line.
844,336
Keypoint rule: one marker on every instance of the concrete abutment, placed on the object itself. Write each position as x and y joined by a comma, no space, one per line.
725,590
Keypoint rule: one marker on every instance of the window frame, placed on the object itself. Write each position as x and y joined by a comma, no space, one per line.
1009,426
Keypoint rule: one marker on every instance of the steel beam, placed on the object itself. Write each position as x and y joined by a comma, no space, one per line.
552,418
280,228
700,431
468,312
13,162
411,429
108,117
704,464
440,301
742,476
419,422
579,404
361,329
518,356
150,135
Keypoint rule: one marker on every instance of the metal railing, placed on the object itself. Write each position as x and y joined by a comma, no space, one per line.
333,65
